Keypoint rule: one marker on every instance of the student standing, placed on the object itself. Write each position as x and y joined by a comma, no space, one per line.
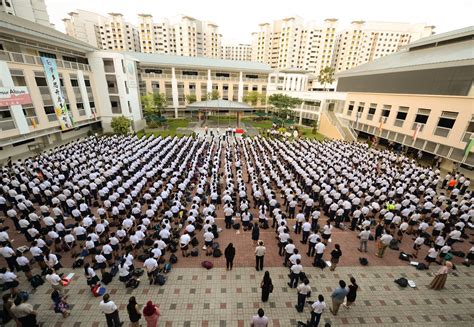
229,254
351,296
303,291
259,320
335,256
317,308
110,310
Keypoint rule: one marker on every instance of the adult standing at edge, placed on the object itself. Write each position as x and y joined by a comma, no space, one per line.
267,286
110,310
259,255
338,296
229,254
259,320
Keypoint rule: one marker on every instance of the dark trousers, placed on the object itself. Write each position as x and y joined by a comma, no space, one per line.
311,249
113,319
315,318
259,262
228,222
229,263
298,228
301,301
305,237
317,259
294,278
12,264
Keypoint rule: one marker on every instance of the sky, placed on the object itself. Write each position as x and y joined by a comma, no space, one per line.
237,19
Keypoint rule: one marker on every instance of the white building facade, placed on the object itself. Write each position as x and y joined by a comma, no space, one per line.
32,10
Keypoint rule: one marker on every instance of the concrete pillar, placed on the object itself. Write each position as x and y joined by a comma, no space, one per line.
16,110
84,96
300,122
240,95
174,92
293,83
209,82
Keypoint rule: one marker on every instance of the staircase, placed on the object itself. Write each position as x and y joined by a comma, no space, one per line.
342,125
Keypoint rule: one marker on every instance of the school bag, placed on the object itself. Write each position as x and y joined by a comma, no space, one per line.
403,256
143,257
98,290
194,252
36,281
79,262
207,264
216,253
421,266
215,245
159,280
138,272
106,278
132,283
402,282
394,245
460,254
114,270
236,226
363,261
194,242
167,268
173,258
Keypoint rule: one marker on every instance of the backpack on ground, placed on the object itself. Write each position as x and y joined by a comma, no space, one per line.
363,261
402,282
421,266
215,245
394,245
216,253
458,254
172,248
98,290
236,226
167,268
143,257
173,258
79,262
114,270
207,264
36,281
194,252
403,256
138,272
322,264
159,280
106,278
194,242
24,295
132,283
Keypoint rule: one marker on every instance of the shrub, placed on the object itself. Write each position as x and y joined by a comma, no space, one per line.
121,125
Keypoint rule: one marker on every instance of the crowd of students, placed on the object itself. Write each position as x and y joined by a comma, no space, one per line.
110,201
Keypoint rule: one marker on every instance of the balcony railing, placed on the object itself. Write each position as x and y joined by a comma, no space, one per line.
398,122
52,117
36,60
6,125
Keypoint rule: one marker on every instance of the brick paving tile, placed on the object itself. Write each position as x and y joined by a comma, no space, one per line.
361,320
443,318
455,299
189,306
240,323
410,319
222,323
95,324
187,324
168,324
77,324
344,321
223,305
276,323
238,290
394,319
426,318
256,305
205,323
413,302
176,291
378,320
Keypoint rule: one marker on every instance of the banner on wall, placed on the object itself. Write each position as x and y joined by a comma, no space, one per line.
60,107
15,95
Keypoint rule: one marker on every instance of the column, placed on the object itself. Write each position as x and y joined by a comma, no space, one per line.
284,82
293,83
240,95
301,114
209,82
174,92
15,110
84,96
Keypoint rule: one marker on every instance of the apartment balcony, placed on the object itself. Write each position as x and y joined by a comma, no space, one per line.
17,57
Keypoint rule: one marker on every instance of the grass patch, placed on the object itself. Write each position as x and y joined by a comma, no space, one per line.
169,130
263,124
308,133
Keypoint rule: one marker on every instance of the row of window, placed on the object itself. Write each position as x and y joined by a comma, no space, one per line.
445,122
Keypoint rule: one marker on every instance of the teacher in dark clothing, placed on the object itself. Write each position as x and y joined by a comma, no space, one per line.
229,254
266,286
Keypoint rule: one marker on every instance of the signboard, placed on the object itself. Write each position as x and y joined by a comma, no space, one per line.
15,95
60,108
131,76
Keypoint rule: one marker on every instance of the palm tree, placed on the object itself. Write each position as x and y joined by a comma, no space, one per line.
326,76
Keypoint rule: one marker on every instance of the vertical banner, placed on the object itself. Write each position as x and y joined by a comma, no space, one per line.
60,108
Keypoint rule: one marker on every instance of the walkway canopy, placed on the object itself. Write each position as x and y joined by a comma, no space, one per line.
216,107
219,105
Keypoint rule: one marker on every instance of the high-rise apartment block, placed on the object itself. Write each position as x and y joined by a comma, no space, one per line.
290,43
185,37
32,10
366,41
237,52
108,33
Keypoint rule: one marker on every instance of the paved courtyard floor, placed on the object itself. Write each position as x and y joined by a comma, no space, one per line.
198,297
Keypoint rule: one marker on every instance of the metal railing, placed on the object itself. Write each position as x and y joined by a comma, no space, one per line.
36,60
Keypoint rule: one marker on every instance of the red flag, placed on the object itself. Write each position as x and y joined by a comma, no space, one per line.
417,129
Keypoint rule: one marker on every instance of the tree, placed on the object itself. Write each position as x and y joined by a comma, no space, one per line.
326,76
283,103
253,97
159,102
121,125
191,98
153,105
214,95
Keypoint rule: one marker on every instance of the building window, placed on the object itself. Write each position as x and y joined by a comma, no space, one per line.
190,73
421,118
74,82
47,55
386,110
372,109
469,134
350,108
445,123
401,116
